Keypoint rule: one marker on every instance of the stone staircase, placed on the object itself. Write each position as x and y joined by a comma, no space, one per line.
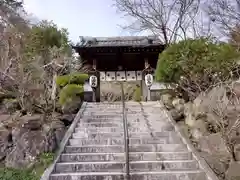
95,150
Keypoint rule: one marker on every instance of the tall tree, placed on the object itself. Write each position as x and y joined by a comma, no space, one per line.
44,36
11,12
168,19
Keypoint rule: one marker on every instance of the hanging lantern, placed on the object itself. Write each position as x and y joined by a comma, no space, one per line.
93,81
148,80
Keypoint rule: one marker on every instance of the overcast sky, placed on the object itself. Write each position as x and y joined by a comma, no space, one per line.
80,17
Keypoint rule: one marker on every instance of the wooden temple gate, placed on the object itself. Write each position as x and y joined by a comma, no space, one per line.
120,58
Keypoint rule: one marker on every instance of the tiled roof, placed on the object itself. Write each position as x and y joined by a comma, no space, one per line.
119,41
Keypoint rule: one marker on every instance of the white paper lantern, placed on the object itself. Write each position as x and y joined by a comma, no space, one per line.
148,80
93,81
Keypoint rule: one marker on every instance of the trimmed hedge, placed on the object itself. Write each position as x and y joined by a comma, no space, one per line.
71,86
69,92
74,78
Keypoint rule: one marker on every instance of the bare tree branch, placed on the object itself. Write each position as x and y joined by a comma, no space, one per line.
167,19
225,14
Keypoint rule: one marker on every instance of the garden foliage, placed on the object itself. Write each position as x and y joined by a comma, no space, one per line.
71,86
196,64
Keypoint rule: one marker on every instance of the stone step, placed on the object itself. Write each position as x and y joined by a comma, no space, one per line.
162,175
130,118
114,166
103,124
135,128
102,114
96,135
132,148
112,125
133,122
105,107
113,106
102,120
146,156
115,119
108,115
120,141
102,129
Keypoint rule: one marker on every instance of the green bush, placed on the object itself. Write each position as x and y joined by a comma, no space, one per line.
14,174
69,92
196,61
33,173
73,78
194,57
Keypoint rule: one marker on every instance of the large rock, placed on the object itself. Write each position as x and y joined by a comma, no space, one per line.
237,151
32,137
67,118
199,129
214,151
167,101
213,144
233,172
191,113
9,121
199,106
236,89
177,115
55,130
25,124
72,107
188,108
218,163
202,107
4,118
11,105
183,128
4,142
32,122
190,120
27,148
58,128
178,104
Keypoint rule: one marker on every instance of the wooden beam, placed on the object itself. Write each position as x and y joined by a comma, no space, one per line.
146,64
94,65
